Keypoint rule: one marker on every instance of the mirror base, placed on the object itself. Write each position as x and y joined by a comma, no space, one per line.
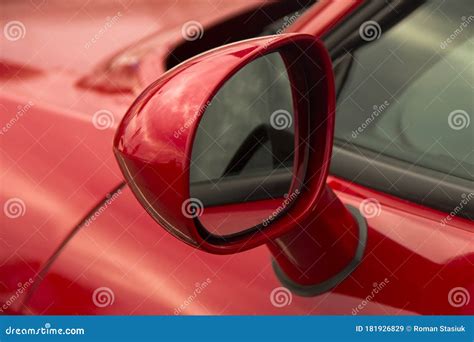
330,283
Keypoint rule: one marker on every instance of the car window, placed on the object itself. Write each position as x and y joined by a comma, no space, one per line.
409,92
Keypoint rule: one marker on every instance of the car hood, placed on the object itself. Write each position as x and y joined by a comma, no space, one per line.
56,165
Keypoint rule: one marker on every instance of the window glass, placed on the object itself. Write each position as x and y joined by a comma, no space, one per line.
409,93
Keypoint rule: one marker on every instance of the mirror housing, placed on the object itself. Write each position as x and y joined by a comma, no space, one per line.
153,146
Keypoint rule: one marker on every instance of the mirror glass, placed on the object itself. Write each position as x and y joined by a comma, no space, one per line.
243,152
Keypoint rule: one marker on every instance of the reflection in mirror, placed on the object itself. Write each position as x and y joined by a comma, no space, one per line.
242,157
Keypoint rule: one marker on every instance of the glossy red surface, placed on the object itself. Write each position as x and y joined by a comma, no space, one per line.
237,215
320,234
50,186
151,272
156,160
320,246
418,260
51,156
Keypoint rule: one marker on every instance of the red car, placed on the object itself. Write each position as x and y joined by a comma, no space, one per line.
139,224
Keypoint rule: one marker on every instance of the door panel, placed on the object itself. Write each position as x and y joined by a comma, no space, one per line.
411,261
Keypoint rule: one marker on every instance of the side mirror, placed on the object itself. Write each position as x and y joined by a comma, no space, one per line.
231,149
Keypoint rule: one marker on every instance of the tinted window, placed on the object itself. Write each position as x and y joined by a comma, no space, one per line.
409,93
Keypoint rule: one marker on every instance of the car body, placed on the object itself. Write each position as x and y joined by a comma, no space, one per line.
80,230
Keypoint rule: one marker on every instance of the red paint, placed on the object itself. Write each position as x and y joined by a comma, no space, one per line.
320,246
236,216
53,158
149,270
56,184
319,234
155,160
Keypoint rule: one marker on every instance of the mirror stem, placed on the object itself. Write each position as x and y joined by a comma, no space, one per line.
323,250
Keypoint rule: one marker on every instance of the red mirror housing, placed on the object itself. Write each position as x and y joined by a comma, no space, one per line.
153,146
